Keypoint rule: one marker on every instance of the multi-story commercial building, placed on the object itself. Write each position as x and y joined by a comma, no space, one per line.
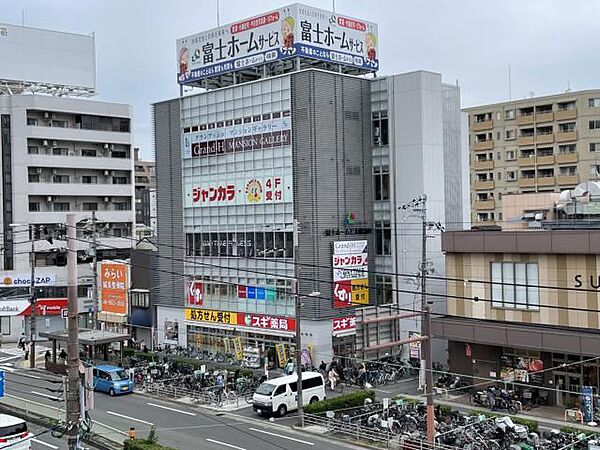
60,155
284,170
537,144
523,304
145,194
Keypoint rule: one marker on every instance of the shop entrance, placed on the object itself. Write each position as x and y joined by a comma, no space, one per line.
568,388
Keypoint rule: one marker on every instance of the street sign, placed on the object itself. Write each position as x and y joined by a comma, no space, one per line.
1,383
386,403
64,313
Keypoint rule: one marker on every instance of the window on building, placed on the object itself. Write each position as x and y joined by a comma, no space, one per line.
89,179
380,128
34,206
33,177
88,152
119,180
120,206
566,127
594,124
515,285
569,170
384,290
33,149
381,176
566,106
60,151
89,206
511,175
383,237
509,114
119,154
60,178
594,102
510,135
594,146
140,299
5,325
61,206
59,124
510,155
32,121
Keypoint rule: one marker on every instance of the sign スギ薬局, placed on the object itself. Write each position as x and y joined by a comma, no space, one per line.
350,273
291,31
239,191
249,320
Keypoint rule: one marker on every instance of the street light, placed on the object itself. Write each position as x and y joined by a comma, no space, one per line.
299,353
32,324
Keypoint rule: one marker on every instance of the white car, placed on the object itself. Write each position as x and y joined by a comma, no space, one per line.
14,434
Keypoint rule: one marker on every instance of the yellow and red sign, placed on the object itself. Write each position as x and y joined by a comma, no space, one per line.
114,285
211,316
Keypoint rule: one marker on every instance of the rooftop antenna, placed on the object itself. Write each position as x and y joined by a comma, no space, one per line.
568,86
509,84
22,17
218,19
333,5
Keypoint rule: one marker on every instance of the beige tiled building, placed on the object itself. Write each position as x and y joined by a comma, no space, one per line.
542,144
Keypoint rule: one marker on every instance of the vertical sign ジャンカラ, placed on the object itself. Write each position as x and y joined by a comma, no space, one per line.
350,264
114,285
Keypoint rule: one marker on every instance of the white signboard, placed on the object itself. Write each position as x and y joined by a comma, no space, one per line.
349,247
287,32
8,279
44,56
351,274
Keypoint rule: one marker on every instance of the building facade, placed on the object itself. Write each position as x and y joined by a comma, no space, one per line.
538,144
145,195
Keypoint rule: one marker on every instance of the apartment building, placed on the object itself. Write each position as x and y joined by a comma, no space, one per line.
145,193
542,144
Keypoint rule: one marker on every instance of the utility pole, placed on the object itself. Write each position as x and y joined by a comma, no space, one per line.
95,274
73,412
426,356
299,359
33,318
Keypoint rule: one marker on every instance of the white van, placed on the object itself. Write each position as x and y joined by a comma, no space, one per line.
14,434
280,395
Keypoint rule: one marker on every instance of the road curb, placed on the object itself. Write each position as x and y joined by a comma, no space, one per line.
39,419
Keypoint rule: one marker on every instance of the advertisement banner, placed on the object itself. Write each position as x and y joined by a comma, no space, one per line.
281,355
350,273
211,316
238,349
195,293
47,307
238,135
241,191
414,347
9,279
291,31
114,285
587,403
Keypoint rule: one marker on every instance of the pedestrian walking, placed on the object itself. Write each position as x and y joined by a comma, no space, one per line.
47,356
333,376
26,351
21,343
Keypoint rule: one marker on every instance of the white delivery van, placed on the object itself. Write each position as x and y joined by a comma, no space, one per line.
280,395
14,434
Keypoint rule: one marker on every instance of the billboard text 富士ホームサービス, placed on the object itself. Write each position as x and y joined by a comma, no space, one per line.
291,31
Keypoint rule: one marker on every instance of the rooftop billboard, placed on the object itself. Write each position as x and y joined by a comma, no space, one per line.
31,55
288,32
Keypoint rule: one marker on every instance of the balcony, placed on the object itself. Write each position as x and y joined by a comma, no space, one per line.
483,125
481,185
483,145
546,138
566,136
544,117
485,204
526,161
565,114
525,119
527,182
525,140
546,181
545,160
567,158
487,164
564,180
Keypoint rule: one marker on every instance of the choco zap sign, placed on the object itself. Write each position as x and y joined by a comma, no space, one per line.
291,31
350,264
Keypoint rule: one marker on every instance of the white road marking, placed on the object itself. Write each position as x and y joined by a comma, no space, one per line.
45,395
171,409
225,444
3,360
127,417
24,400
281,436
8,369
108,427
29,376
37,441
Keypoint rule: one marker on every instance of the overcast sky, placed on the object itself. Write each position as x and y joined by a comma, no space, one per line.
551,45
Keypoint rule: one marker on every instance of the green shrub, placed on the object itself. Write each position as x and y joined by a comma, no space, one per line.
143,444
341,402
573,430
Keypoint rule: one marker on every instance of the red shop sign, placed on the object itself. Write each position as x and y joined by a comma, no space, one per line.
263,322
343,323
47,307
195,293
